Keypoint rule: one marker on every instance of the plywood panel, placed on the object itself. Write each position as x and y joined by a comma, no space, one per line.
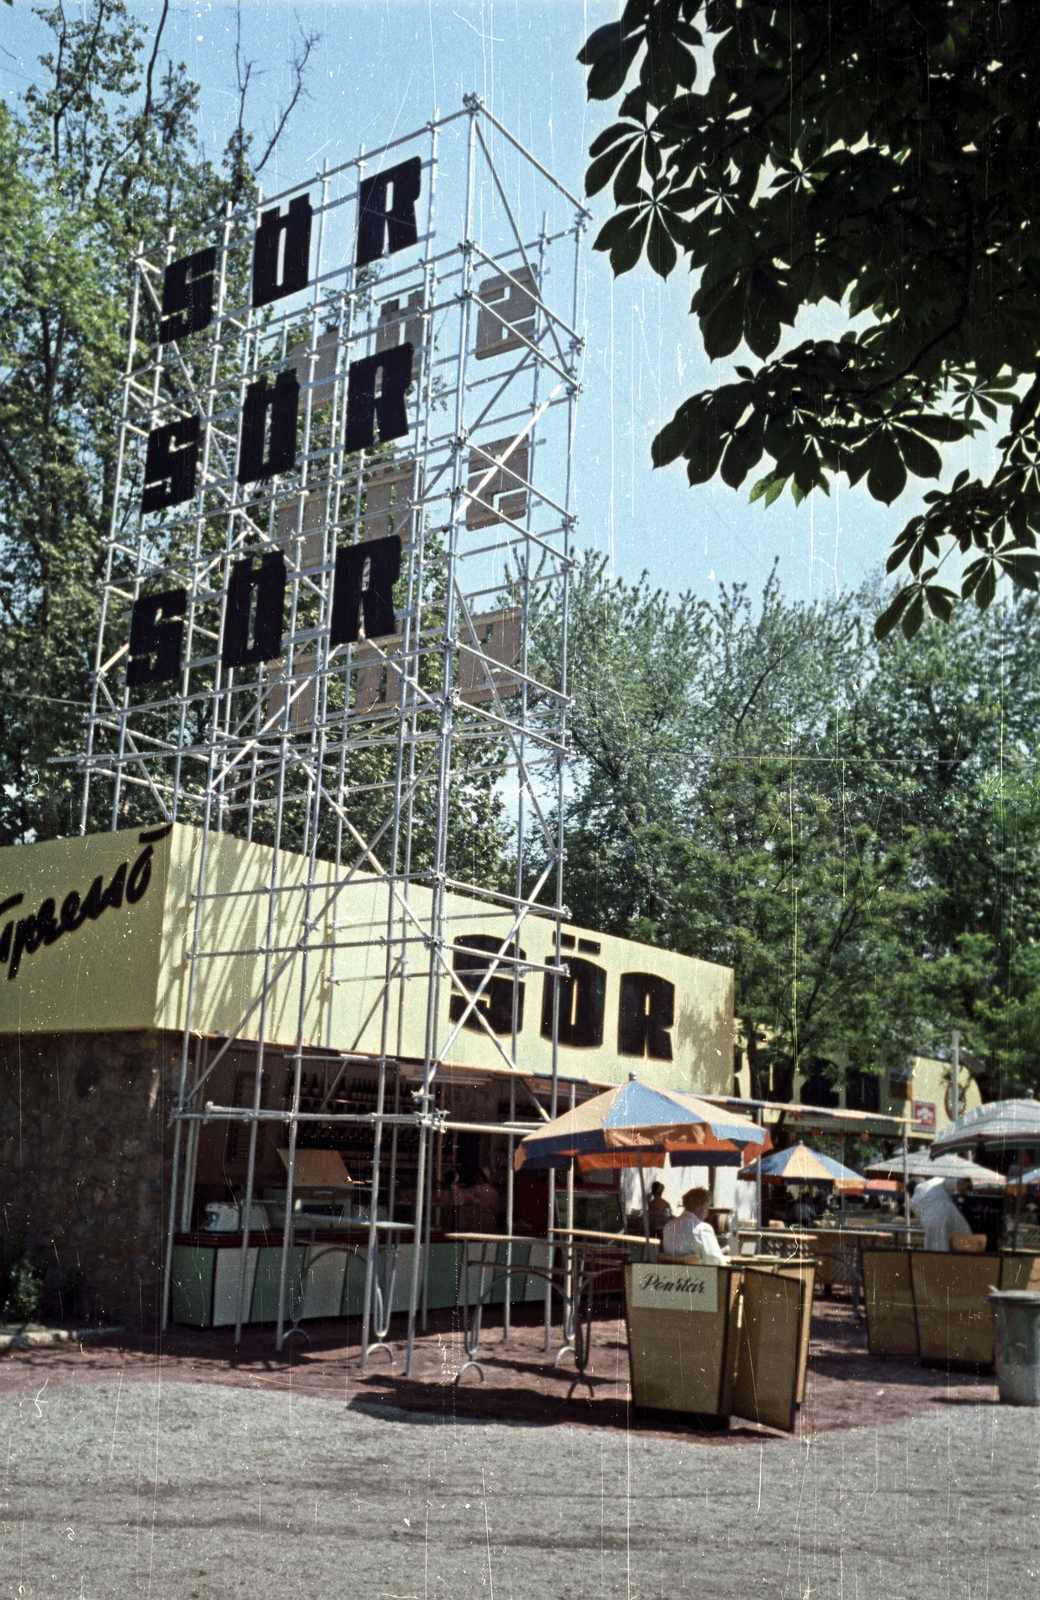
805,1272
678,1357
734,1333
954,1321
888,1295
766,1385
1020,1272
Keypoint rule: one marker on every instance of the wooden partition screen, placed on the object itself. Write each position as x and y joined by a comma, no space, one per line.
888,1295
769,1348
954,1321
746,1353
681,1359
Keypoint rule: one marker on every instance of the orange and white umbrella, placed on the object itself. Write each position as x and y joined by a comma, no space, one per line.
638,1125
799,1164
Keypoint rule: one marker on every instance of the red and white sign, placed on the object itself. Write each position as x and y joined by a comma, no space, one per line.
924,1114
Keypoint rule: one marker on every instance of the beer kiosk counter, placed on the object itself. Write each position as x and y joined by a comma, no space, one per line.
716,1341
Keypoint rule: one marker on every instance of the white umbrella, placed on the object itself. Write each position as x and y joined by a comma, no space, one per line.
920,1165
998,1125
1004,1125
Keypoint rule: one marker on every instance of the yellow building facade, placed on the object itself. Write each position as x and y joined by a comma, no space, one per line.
123,931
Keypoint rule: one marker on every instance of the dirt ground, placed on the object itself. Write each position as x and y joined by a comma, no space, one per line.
846,1387
188,1472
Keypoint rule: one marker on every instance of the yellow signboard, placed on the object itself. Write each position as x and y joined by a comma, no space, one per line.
80,932
109,932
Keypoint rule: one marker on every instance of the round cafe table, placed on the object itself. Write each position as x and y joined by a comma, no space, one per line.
585,1258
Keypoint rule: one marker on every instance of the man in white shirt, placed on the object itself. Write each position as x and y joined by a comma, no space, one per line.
689,1234
934,1208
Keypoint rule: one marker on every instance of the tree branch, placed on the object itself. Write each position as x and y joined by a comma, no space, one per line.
763,675
149,102
63,104
299,68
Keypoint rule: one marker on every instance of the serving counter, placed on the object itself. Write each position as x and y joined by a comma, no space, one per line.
327,1276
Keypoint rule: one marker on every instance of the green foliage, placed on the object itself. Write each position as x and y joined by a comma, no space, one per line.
21,1289
877,155
96,163
852,827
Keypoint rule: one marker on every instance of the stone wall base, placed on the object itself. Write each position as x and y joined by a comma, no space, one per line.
84,1169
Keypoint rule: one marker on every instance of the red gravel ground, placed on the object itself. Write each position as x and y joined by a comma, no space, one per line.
846,1387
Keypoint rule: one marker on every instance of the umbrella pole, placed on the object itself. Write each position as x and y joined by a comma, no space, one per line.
760,1119
842,1190
646,1208
554,1108
570,1219
507,1308
1018,1198
906,1175
550,1239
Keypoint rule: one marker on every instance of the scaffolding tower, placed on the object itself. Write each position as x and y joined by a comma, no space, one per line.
418,306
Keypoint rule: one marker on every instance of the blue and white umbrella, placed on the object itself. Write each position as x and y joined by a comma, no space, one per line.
799,1164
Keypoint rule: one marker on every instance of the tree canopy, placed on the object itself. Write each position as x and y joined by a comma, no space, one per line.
96,162
853,827
878,155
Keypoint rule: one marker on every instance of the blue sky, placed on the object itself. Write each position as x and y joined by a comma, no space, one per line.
383,67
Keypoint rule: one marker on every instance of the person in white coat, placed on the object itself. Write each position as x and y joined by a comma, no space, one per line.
933,1205
690,1234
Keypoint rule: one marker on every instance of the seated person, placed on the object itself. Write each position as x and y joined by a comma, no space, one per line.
689,1234
658,1210
802,1213
450,1198
486,1202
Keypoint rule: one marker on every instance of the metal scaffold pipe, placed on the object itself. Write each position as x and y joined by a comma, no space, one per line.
334,619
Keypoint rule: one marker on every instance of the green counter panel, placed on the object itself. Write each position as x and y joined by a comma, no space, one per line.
191,1300
354,1287
194,1273
264,1307
445,1260
445,1257
517,1281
